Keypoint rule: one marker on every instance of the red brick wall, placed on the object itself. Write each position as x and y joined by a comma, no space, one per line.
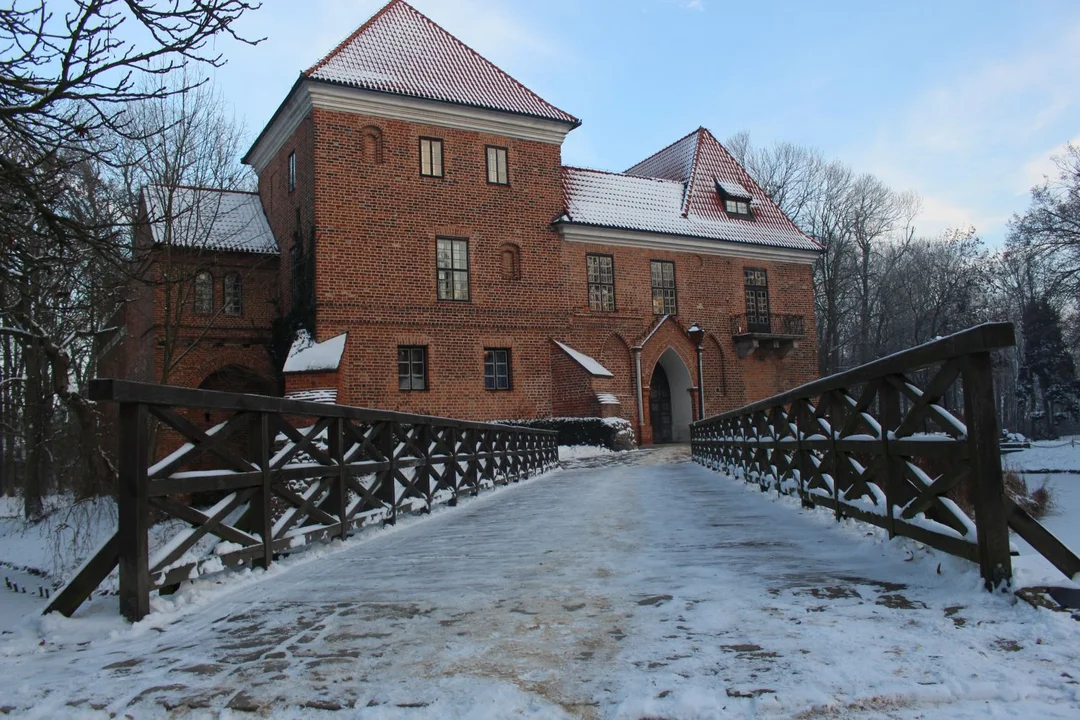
377,222
290,212
572,394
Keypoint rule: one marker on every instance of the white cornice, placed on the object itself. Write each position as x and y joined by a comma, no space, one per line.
296,107
308,94
679,243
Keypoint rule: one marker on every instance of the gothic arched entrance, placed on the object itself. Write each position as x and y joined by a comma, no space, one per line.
670,411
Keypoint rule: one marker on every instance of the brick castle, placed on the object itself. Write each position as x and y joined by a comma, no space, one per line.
416,244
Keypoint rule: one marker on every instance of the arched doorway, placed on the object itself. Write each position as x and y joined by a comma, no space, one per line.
670,411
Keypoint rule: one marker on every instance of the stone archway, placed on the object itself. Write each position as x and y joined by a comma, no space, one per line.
670,404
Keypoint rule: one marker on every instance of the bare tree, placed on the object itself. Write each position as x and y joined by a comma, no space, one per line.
66,82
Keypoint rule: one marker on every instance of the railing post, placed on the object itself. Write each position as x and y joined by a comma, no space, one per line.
388,486
341,485
889,396
424,437
134,511
980,415
472,472
262,513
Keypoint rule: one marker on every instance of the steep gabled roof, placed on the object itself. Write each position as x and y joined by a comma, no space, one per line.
208,219
401,51
675,191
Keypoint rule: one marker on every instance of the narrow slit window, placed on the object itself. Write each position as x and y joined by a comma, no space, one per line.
496,166
292,171
431,157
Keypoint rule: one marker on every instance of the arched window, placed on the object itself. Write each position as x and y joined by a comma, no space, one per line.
234,294
372,144
204,292
511,262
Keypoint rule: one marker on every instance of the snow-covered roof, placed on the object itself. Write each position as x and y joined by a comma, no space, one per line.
401,51
590,365
208,219
319,395
733,189
305,355
675,192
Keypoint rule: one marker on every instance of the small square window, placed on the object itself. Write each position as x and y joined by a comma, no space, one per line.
412,367
431,157
497,369
737,207
496,166
292,171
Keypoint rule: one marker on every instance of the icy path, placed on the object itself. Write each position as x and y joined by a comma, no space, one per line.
626,591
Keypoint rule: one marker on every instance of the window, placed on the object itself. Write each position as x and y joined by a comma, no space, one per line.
496,166
737,207
412,367
757,300
204,293
452,267
511,262
663,288
601,272
292,171
431,157
497,369
234,287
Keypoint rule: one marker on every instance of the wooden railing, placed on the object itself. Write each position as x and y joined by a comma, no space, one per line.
881,444
278,474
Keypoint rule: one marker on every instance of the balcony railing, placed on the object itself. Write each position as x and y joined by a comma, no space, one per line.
779,324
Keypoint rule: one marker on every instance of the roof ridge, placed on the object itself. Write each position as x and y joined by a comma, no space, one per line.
360,30
757,186
663,149
355,34
203,188
693,171
620,174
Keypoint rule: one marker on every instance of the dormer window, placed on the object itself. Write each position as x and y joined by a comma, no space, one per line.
737,207
736,200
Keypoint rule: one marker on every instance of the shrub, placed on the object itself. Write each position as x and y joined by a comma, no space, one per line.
1039,502
612,433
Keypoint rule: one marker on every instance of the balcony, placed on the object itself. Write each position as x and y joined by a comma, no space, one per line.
776,334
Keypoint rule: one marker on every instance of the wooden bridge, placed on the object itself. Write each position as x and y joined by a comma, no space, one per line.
909,443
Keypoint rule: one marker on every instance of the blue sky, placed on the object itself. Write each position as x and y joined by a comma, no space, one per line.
962,101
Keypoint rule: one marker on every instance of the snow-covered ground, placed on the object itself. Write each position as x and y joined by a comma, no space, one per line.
632,591
578,452
1052,455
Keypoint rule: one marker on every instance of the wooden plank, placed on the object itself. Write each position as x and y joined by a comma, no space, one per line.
982,338
1027,527
127,391
980,411
92,574
265,496
133,511
196,518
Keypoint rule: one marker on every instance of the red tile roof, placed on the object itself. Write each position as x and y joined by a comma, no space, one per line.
675,192
401,51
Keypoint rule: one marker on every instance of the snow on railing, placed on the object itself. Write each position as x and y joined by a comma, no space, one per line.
878,443
276,475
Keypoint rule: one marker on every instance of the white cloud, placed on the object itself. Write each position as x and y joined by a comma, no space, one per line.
971,145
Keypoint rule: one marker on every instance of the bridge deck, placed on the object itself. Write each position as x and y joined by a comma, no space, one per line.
629,591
